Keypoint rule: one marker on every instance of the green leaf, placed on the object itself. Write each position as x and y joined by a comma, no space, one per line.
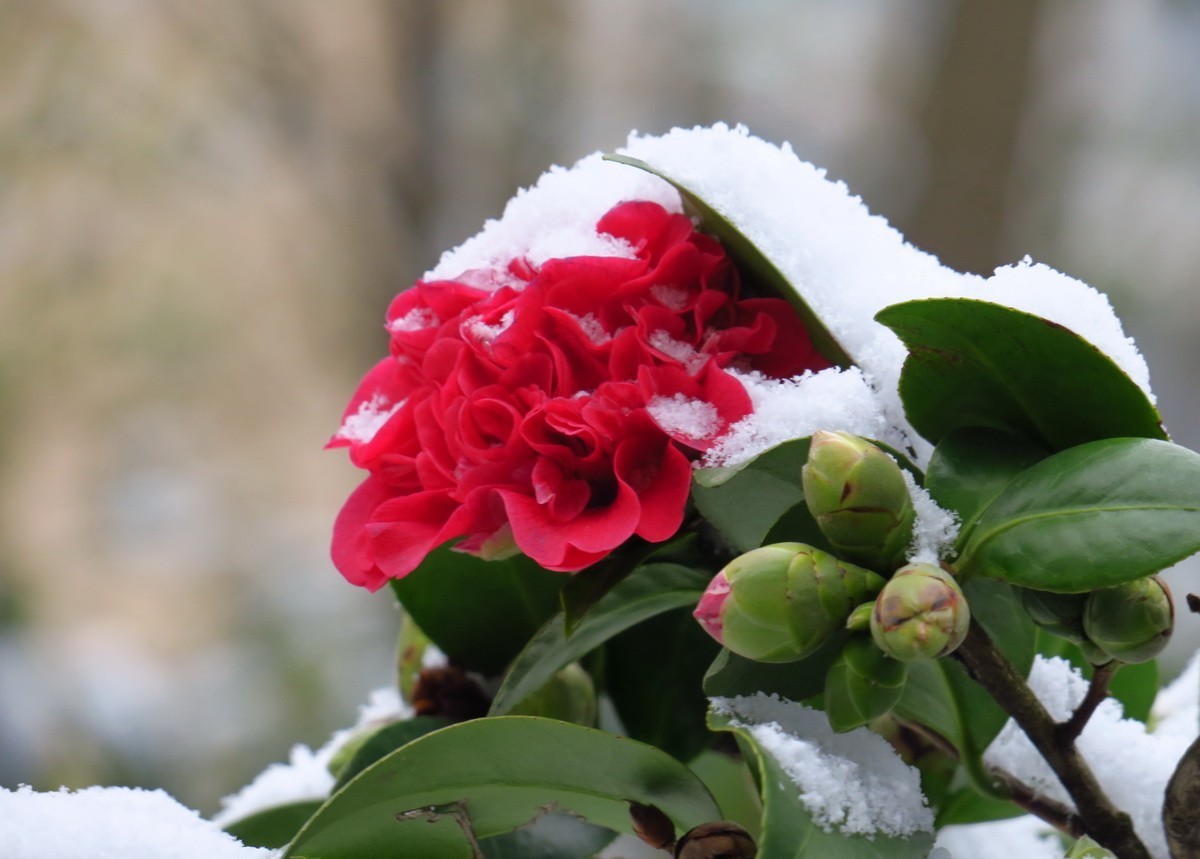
489,776
731,675
967,805
977,364
1094,516
1086,848
942,697
731,783
970,467
273,827
651,590
383,742
653,674
788,830
758,271
587,587
480,613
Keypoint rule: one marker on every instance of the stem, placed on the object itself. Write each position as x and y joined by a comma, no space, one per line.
1060,816
1070,730
1105,823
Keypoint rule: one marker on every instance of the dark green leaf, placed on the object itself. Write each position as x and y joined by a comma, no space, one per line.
731,675
273,827
968,805
732,785
1094,516
651,590
584,589
788,830
743,503
758,271
494,775
480,613
654,675
383,742
976,364
970,467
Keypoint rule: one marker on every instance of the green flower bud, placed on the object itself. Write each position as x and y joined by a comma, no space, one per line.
569,696
921,613
1131,622
858,495
781,602
860,618
1059,614
862,684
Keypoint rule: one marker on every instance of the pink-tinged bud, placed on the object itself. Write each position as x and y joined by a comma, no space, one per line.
779,603
708,610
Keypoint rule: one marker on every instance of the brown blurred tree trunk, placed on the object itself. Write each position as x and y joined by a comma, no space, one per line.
971,120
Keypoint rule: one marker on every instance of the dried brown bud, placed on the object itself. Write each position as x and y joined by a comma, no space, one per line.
720,839
652,826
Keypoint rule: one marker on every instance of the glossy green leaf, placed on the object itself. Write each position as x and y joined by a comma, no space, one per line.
788,830
731,675
968,805
653,674
1093,516
977,364
273,827
480,613
970,467
942,697
491,776
758,271
381,743
651,590
731,783
743,503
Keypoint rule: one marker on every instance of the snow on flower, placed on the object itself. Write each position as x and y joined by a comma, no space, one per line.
110,823
559,406
852,782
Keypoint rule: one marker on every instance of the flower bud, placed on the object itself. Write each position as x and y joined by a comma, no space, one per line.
921,613
720,839
1131,622
779,603
858,495
862,684
1059,614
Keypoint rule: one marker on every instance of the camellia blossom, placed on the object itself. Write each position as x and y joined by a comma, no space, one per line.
555,410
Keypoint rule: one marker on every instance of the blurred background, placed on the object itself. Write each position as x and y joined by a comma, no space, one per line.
204,209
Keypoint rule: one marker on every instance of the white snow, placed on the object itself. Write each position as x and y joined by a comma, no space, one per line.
1132,765
417,319
372,414
934,529
680,415
1026,837
785,409
110,823
852,782
306,775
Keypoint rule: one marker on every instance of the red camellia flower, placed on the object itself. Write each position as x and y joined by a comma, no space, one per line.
554,410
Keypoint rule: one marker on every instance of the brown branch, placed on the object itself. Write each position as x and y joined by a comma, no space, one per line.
1058,815
1070,730
1105,823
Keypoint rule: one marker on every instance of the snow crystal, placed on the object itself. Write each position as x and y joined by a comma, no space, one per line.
557,218
486,333
1025,836
852,782
306,775
1133,766
592,327
372,414
934,530
679,415
416,319
671,296
785,409
677,349
110,823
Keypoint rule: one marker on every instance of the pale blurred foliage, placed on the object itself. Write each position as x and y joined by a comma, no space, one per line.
204,209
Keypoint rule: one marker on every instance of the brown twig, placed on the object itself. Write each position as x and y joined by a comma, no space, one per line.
1058,815
1070,730
1108,825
